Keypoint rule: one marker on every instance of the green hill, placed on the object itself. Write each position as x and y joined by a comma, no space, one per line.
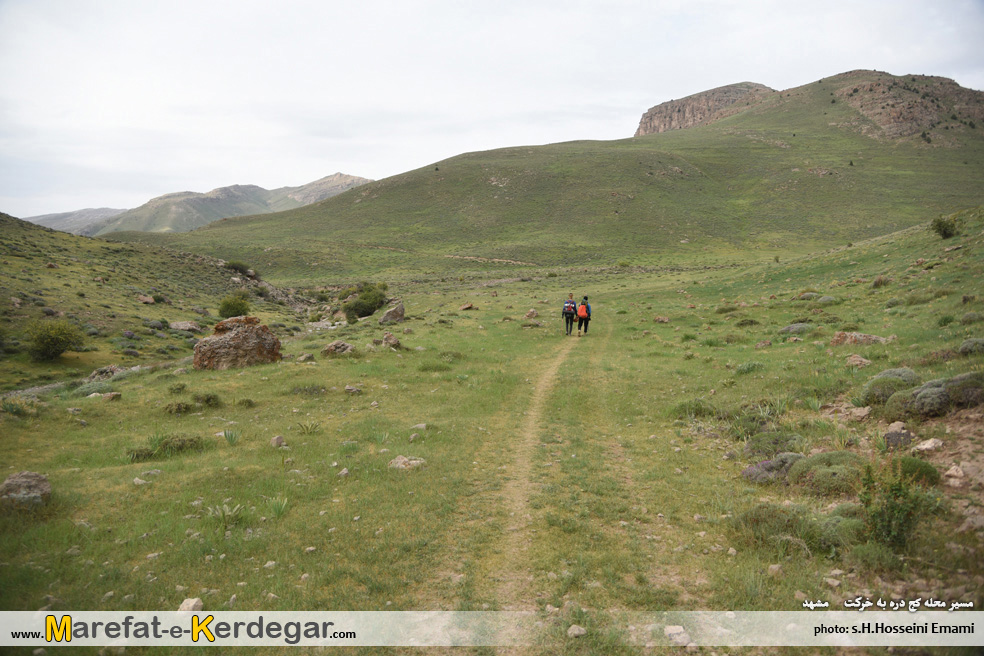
835,161
187,210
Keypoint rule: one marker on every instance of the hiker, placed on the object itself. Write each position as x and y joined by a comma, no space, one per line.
583,316
569,312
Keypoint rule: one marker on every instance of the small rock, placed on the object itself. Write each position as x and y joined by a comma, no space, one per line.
576,631
344,472
191,604
933,444
109,595
353,390
832,583
305,357
139,481
310,549
270,564
25,489
277,441
403,462
954,472
775,570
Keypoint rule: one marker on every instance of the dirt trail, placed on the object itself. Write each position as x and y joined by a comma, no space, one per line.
514,570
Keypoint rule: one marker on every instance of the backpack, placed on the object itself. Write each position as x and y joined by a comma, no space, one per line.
569,306
582,310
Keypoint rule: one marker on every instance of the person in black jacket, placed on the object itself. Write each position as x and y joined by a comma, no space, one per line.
569,312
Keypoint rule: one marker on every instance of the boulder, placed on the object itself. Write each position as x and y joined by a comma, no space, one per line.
237,342
856,360
395,314
146,300
841,337
390,340
105,373
403,462
338,347
25,489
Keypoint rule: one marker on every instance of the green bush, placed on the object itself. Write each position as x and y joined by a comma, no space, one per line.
233,306
828,474
873,556
892,508
370,298
785,527
164,446
879,390
916,470
49,339
769,444
240,267
945,226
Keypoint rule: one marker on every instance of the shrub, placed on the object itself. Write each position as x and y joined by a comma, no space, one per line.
233,306
892,509
945,226
692,409
879,390
769,444
164,446
916,470
208,400
782,527
237,266
370,298
828,474
49,339
873,556
749,367
971,317
881,281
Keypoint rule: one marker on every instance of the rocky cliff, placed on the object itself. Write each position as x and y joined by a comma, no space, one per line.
700,108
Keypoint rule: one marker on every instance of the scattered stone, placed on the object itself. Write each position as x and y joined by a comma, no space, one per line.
109,595
395,314
390,340
305,357
763,344
677,634
25,489
139,481
403,462
532,314
146,300
856,360
353,390
338,347
841,337
933,444
419,427
107,372
277,441
237,342
775,570
112,396
899,438
191,604
797,328
772,470
832,583
343,473
576,631
466,306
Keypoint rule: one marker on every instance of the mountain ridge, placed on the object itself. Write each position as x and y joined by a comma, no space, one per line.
182,211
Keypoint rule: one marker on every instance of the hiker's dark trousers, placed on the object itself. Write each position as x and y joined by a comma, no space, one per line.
582,321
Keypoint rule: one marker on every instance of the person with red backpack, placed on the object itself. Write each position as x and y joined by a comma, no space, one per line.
569,312
583,316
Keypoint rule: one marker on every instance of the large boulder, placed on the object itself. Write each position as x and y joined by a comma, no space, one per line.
395,314
338,347
237,342
25,489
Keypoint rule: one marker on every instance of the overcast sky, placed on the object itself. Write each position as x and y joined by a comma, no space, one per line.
109,103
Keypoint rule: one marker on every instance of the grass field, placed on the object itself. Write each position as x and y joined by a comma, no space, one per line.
571,476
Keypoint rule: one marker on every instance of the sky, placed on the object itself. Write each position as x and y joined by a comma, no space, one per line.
109,103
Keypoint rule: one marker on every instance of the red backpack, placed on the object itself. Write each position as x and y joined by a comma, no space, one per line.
569,306
582,311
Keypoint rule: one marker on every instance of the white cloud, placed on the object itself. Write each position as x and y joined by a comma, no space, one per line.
110,102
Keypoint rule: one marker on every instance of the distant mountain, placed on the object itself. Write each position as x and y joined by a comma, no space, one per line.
77,221
187,210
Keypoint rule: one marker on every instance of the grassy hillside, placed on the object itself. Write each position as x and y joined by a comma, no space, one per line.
186,210
48,275
800,170
577,477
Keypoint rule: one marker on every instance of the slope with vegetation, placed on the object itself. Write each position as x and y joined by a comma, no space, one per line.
573,477
799,170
